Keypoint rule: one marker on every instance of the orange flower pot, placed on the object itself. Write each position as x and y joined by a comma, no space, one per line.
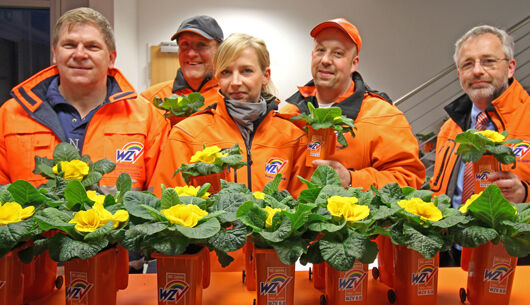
213,179
275,279
181,278
347,287
11,279
321,144
385,260
415,277
482,168
490,276
428,146
319,276
250,265
39,277
176,119
96,280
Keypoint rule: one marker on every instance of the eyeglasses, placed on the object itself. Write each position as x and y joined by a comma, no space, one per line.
486,63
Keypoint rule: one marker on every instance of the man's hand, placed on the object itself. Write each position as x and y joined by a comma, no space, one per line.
512,188
344,174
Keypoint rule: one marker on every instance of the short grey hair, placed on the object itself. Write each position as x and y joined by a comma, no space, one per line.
507,40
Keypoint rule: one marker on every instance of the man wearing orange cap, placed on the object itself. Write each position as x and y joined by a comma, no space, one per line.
198,38
384,149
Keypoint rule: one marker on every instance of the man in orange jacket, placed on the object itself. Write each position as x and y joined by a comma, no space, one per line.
484,58
82,100
384,149
198,38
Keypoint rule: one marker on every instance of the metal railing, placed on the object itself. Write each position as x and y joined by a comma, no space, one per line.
423,105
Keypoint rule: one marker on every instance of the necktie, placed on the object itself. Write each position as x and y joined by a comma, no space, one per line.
469,176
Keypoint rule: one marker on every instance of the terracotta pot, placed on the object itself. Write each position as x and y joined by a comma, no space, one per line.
319,276
39,277
250,265
385,260
482,168
490,276
415,277
275,279
213,179
96,280
11,279
181,278
347,287
321,144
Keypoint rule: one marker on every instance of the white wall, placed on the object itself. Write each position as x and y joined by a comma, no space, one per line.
404,42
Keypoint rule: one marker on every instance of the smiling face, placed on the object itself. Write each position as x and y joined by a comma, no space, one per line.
484,85
242,79
196,57
333,60
82,56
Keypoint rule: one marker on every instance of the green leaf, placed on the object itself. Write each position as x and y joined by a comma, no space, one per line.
65,152
272,187
252,215
491,207
92,178
155,213
201,231
289,251
170,245
103,166
517,246
63,248
426,245
123,185
51,218
224,258
169,198
229,202
75,194
281,231
134,200
229,240
25,193
335,254
474,236
44,167
325,175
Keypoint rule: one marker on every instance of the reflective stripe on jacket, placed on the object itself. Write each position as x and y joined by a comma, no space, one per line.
510,112
127,130
384,150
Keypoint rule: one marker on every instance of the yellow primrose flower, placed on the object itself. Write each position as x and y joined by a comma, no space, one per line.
337,204
356,212
426,210
208,155
86,221
270,215
75,169
94,196
492,135
11,212
463,208
336,118
105,216
187,215
189,190
259,195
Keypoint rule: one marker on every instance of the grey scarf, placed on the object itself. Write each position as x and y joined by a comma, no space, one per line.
245,114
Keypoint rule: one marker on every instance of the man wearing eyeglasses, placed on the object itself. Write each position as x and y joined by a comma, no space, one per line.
198,38
484,58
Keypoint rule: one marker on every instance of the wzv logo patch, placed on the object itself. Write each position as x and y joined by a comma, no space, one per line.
274,166
130,152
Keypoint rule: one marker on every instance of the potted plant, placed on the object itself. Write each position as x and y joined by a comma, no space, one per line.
346,220
321,126
486,149
279,230
497,232
178,107
418,230
176,230
18,203
210,165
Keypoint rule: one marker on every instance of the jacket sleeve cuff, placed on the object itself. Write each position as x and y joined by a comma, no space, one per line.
526,185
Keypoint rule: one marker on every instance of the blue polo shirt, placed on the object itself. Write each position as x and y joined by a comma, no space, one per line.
73,125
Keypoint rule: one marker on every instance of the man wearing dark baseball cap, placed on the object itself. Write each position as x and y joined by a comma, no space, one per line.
384,147
198,38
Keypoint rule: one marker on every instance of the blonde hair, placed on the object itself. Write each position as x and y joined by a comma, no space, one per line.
85,15
231,49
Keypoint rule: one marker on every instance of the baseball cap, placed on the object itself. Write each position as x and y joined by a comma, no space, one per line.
343,25
205,26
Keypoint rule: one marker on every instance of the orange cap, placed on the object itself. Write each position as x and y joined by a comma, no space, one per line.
343,25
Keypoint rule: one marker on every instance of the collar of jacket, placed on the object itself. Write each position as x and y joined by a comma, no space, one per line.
180,83
459,110
350,106
31,95
271,101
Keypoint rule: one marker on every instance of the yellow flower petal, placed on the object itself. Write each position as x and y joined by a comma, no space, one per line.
337,204
492,135
207,155
86,221
259,195
11,212
94,196
75,169
270,215
189,190
463,208
426,210
356,212
187,215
